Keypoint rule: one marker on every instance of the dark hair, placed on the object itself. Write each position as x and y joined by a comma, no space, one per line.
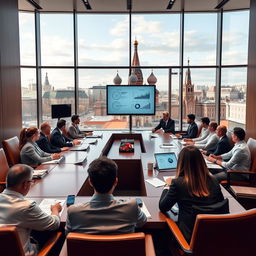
205,120
102,172
74,118
214,125
239,132
61,123
17,174
192,167
191,116
25,134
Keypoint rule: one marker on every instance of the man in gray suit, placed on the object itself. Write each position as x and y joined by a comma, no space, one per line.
74,131
103,214
26,215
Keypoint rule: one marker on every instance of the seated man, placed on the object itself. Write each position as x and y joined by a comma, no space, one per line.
166,123
223,145
103,214
210,142
74,131
58,139
204,130
238,158
192,130
26,215
44,142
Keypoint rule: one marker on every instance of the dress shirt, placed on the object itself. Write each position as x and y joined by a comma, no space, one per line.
45,145
105,215
209,142
238,158
26,215
204,133
74,132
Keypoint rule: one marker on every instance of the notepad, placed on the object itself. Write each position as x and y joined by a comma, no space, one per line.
214,166
144,209
46,204
83,147
38,174
155,182
56,161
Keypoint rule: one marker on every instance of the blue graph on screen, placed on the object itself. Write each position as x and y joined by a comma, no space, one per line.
143,96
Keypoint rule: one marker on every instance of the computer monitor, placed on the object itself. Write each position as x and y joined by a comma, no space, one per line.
61,110
131,99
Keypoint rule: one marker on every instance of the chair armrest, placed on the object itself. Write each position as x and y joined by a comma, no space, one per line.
49,244
150,250
2,183
236,171
179,236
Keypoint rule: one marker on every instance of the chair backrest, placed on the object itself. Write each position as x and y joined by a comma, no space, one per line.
11,148
4,167
98,245
252,146
230,234
9,242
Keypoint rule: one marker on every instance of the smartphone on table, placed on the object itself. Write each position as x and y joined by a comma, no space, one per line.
70,200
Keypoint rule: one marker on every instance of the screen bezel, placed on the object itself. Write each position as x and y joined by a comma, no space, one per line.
136,114
165,153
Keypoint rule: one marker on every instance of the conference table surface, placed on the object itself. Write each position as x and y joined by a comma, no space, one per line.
68,178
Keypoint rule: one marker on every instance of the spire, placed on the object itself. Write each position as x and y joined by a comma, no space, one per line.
188,75
136,62
46,80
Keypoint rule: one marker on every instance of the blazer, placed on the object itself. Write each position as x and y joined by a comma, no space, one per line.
74,132
31,154
169,127
179,193
59,140
209,142
45,144
105,215
223,146
26,215
191,131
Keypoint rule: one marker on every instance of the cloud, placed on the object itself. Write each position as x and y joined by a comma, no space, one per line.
120,29
141,26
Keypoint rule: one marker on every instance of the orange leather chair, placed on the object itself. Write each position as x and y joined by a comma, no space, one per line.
4,167
11,246
136,244
218,235
11,148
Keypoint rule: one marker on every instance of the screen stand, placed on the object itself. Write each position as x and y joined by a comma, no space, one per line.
130,123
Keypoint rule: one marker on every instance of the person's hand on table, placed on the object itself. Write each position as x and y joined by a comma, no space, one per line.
56,209
204,152
211,159
55,156
168,181
64,149
76,142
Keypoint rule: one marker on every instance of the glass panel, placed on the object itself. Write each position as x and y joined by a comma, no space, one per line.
92,109
235,37
29,97
199,88
57,42
233,96
57,88
200,37
106,42
27,38
158,36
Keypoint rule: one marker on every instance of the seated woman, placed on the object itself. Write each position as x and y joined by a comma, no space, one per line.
30,153
193,186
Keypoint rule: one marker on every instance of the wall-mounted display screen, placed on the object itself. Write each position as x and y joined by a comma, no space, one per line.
131,99
61,110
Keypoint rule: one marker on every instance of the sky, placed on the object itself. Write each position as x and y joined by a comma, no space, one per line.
103,41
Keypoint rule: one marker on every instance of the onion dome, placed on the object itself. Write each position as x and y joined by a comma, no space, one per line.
117,80
132,78
152,79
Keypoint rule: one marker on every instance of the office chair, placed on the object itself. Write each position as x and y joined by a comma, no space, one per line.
12,151
4,167
136,244
10,243
222,235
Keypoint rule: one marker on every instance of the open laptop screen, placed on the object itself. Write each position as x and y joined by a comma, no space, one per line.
166,160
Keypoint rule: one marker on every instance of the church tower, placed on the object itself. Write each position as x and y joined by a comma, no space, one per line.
188,95
136,62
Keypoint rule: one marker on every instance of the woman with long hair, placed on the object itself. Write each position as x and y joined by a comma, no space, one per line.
192,186
30,153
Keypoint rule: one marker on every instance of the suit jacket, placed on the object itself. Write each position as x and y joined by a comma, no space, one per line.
179,193
191,132
105,215
59,140
15,210
223,146
45,144
74,132
170,127
31,154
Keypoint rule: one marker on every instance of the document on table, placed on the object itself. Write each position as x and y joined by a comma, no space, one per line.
155,182
166,177
145,210
56,161
213,166
173,136
167,145
45,205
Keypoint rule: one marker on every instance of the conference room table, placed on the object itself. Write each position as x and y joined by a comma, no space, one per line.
68,178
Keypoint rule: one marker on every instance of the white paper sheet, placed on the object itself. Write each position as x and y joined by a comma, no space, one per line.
156,182
45,205
145,210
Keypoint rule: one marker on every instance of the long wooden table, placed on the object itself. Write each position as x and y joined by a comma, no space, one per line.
65,178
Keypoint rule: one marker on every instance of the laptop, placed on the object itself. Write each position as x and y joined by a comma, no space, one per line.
166,161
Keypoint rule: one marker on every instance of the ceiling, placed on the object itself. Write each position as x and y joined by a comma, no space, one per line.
137,5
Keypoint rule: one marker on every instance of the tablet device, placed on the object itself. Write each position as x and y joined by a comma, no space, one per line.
166,161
